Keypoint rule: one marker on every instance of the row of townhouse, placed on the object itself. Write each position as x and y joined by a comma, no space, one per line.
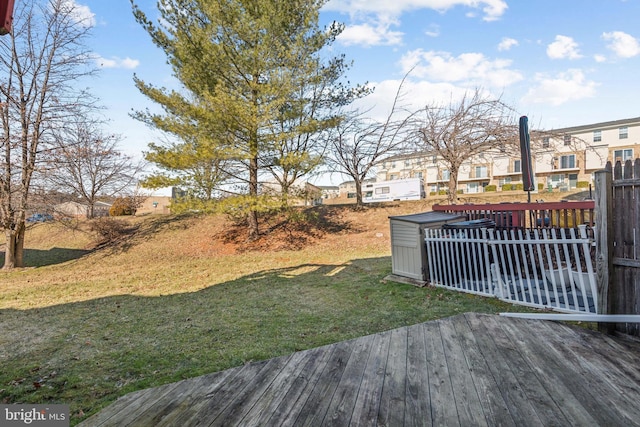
565,161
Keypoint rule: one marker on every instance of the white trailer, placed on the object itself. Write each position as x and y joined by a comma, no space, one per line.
397,189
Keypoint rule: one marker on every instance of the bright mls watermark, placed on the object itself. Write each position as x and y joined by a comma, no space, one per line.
34,415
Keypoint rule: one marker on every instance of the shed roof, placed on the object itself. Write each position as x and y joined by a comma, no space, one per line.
428,217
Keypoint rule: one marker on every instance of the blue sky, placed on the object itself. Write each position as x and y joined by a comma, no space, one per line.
560,62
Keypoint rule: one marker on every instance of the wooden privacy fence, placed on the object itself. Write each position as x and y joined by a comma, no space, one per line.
544,268
618,242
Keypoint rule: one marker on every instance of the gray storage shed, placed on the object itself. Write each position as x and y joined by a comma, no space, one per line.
408,249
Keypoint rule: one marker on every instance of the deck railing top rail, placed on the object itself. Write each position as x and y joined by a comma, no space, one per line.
563,214
517,206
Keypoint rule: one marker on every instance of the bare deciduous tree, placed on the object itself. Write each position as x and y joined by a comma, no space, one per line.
473,127
88,164
43,59
359,143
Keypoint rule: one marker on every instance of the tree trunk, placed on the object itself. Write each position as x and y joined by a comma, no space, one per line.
452,195
359,202
14,248
253,192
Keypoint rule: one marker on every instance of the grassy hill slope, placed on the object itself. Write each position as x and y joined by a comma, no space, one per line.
177,297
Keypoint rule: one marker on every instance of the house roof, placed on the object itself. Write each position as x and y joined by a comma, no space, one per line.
610,124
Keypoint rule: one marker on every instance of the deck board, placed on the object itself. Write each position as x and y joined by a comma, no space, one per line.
470,369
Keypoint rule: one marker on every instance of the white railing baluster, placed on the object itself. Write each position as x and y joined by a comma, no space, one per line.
531,267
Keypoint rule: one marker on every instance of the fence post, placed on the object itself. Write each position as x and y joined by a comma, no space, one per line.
604,246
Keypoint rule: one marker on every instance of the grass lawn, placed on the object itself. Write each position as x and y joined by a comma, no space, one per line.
178,299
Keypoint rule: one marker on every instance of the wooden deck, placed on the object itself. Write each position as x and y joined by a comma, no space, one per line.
471,369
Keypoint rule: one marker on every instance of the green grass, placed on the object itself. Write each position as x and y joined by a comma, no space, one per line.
85,332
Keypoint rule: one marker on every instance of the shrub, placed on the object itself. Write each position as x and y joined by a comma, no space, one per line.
442,192
540,186
507,187
519,187
109,230
121,206
582,184
491,187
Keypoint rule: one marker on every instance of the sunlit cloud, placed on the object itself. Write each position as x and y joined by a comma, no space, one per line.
467,68
126,63
80,13
507,43
371,34
373,22
622,44
491,9
571,85
563,48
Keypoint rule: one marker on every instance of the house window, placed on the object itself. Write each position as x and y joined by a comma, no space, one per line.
597,135
545,142
393,165
623,155
434,159
392,177
407,163
481,171
382,190
567,140
517,166
446,175
568,162
418,175
623,132
556,179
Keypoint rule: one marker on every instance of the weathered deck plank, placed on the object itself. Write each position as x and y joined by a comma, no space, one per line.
344,399
514,347
466,370
492,341
565,361
443,408
365,411
571,408
470,410
392,400
495,407
317,404
417,399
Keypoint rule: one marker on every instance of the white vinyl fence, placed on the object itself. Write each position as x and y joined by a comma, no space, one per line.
544,268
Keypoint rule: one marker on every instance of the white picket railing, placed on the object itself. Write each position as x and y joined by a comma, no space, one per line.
545,268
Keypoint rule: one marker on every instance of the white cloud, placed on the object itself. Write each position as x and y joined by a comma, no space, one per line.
571,85
599,58
563,48
81,13
414,95
115,62
467,68
507,43
623,44
373,19
433,31
370,34
492,9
